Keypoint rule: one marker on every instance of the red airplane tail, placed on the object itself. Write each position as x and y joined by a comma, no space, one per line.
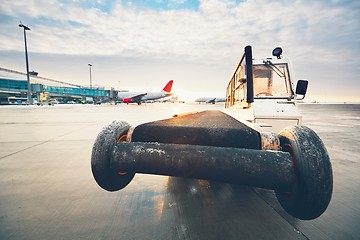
168,86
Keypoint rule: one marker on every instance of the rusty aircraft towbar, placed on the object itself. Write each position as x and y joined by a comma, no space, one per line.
300,174
265,169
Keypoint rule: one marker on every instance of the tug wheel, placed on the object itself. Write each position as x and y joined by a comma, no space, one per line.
106,177
313,183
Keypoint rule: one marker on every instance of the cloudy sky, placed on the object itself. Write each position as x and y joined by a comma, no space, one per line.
141,44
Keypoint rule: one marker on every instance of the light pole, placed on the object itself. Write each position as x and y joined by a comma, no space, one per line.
90,75
27,64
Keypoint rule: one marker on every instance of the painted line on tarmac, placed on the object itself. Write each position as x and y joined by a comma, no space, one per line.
38,144
280,214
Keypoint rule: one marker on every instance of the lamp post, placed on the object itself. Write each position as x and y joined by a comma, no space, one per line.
90,75
27,64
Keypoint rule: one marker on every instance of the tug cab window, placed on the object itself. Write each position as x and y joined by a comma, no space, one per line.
271,81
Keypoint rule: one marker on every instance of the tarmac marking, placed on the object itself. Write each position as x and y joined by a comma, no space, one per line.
47,141
280,214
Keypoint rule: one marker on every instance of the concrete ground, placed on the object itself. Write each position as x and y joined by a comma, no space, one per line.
48,192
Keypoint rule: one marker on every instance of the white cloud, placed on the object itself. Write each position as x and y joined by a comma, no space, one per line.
213,32
318,33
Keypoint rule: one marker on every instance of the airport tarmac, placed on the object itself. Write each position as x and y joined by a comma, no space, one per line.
48,192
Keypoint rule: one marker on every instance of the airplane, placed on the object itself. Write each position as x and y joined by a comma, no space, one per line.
210,100
139,97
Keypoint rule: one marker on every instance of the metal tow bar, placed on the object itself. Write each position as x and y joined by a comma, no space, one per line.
265,169
300,173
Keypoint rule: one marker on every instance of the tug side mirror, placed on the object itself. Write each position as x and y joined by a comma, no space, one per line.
301,88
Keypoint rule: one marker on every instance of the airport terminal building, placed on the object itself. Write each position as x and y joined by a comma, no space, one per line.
13,91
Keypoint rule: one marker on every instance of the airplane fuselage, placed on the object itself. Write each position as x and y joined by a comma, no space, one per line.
139,97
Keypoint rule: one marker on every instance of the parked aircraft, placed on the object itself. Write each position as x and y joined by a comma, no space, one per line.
139,97
210,100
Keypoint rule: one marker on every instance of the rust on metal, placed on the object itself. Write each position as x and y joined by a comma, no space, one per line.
270,141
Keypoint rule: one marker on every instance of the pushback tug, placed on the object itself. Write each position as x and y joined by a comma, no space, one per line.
257,140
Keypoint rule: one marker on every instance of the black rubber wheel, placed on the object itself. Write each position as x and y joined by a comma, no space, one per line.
313,183
108,178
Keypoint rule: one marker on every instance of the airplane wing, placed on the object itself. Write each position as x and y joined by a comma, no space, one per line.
211,101
136,98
